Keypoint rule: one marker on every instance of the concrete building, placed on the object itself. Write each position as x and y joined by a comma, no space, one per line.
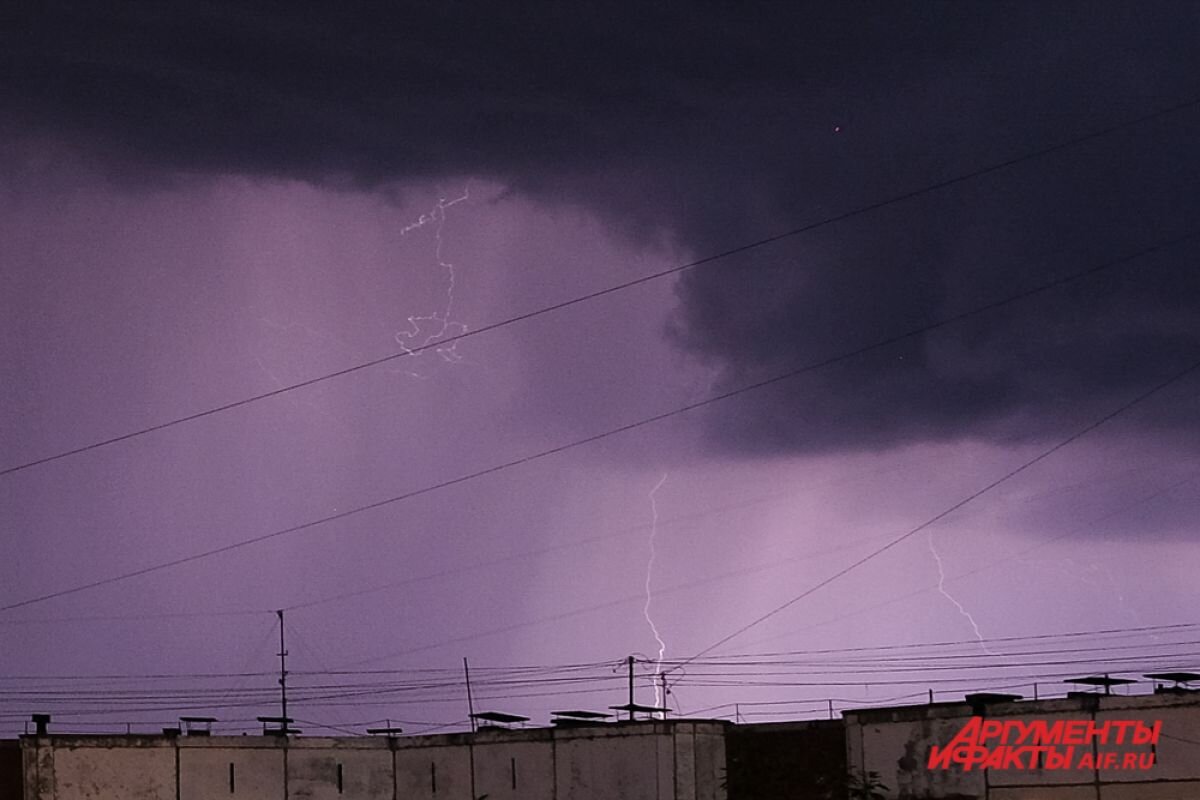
654,760
896,743
650,760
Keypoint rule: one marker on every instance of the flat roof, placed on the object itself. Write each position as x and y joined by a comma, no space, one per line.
992,697
581,714
1100,680
1177,677
639,707
498,716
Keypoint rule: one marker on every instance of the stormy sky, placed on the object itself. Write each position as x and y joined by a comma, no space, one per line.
994,209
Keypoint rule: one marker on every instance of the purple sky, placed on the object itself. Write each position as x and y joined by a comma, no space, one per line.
198,204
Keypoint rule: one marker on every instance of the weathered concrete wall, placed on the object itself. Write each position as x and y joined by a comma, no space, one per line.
508,770
330,769
101,768
434,768
257,767
643,761
1045,777
896,744
664,756
607,762
699,769
709,762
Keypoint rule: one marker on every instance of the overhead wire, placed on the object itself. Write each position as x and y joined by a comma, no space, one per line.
615,602
1044,454
619,287
631,598
992,564
487,674
590,439
603,537
690,585
78,707
137,617
550,674
615,431
1151,629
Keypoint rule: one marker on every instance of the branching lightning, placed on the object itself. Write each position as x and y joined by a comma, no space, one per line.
662,646
428,329
423,330
942,588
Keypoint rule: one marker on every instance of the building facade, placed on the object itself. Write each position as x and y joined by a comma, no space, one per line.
897,744
889,752
631,761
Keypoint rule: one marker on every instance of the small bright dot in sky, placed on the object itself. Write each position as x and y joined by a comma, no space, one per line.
837,128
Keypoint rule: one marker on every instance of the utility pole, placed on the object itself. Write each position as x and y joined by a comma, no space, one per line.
662,677
282,675
470,702
629,661
474,727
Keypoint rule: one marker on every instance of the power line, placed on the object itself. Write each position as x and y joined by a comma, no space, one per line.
629,598
991,565
99,702
995,662
930,661
1151,629
681,587
874,652
614,603
355,694
304,693
619,287
645,421
602,537
947,512
135,617
488,674
518,556
532,682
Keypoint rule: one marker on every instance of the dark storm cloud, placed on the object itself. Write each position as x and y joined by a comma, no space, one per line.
434,88
716,124
1032,368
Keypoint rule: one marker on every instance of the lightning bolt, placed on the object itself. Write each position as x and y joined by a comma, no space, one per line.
430,328
662,646
942,588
